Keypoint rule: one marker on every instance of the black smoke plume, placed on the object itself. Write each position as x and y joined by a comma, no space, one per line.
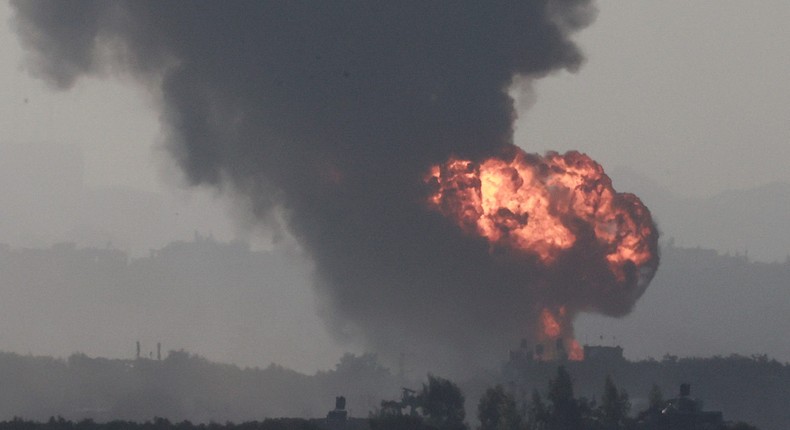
332,112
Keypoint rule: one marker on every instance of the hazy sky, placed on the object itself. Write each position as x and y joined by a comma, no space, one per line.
693,95
117,126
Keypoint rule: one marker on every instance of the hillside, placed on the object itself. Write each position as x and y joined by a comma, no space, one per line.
702,303
187,387
749,222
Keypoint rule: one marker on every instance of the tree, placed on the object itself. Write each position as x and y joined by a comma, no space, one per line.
497,410
564,413
655,398
442,404
614,405
537,413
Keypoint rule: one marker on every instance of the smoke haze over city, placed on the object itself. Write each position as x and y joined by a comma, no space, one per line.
312,129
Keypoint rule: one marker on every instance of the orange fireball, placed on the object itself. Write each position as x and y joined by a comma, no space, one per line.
547,208
538,204
550,327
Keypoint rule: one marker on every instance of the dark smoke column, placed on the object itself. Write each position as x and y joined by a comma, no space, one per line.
334,111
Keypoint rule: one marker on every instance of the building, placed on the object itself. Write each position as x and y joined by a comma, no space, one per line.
682,413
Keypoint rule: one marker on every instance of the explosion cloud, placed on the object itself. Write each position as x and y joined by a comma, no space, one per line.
595,248
338,112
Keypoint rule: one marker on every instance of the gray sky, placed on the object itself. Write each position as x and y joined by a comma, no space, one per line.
117,125
692,95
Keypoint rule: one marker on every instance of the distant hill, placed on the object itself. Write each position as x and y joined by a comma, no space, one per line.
222,300
230,303
247,306
183,386
750,221
703,303
723,285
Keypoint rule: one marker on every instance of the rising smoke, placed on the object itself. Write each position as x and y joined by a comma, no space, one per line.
333,112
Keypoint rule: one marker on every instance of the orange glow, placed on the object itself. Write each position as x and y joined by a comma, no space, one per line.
557,210
539,205
575,351
551,328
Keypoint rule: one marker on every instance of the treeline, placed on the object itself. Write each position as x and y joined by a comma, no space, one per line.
60,423
752,389
183,386
101,393
440,406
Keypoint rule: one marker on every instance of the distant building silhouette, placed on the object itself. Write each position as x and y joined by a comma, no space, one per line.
603,353
339,414
337,419
682,413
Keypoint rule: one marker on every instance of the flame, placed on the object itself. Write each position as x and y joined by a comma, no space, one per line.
551,328
535,204
556,326
575,351
543,208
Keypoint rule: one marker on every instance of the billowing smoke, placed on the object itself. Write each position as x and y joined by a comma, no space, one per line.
583,246
334,112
